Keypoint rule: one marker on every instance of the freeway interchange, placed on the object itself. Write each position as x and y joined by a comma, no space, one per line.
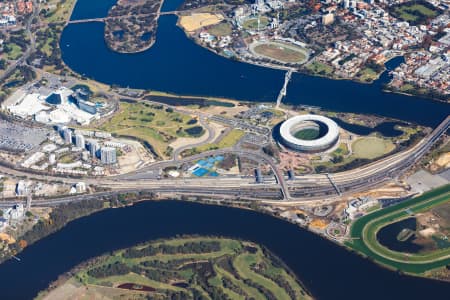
276,189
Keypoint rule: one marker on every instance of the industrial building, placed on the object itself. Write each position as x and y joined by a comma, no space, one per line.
292,126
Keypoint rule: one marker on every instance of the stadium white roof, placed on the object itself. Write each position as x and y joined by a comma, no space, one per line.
329,138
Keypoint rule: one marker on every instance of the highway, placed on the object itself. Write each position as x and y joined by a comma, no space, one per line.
303,188
306,187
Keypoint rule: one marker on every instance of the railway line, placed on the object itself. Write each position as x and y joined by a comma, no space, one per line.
303,188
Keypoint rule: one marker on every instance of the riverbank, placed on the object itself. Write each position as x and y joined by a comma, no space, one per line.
61,215
308,255
364,231
224,78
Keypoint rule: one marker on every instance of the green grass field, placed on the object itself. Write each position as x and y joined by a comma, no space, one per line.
307,134
319,68
227,141
341,150
371,147
14,53
150,123
363,233
415,12
252,24
221,29
61,11
280,52
206,266
367,75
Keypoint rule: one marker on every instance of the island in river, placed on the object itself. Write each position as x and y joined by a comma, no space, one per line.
188,267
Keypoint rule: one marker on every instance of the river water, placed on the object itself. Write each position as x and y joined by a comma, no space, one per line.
176,64
327,270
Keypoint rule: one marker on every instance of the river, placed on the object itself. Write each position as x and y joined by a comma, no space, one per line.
176,64
327,270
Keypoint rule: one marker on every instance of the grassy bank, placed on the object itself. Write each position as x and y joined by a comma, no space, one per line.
153,124
364,230
189,267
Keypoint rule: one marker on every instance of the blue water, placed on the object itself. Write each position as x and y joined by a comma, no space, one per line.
200,172
146,36
176,64
386,129
387,236
202,162
171,5
329,271
88,9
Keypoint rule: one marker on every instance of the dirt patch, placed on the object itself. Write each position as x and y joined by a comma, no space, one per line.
443,160
4,237
199,20
319,223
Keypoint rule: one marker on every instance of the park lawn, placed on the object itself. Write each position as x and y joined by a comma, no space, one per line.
67,158
415,12
280,52
221,29
15,52
45,46
341,150
62,11
181,269
217,282
276,271
319,68
243,264
252,24
248,289
150,123
407,12
406,87
228,141
371,147
225,243
367,75
228,247
134,278
363,233
192,256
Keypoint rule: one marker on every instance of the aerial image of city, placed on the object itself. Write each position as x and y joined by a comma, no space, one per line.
224,149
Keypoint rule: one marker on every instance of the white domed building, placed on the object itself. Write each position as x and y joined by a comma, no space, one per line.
309,133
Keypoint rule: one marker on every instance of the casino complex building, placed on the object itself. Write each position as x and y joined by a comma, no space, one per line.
309,133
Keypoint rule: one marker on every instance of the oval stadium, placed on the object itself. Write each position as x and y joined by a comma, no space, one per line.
309,133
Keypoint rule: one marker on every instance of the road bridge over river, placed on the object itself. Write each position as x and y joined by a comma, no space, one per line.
283,90
103,19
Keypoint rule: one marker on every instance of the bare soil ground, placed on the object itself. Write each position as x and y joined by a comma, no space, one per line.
198,20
